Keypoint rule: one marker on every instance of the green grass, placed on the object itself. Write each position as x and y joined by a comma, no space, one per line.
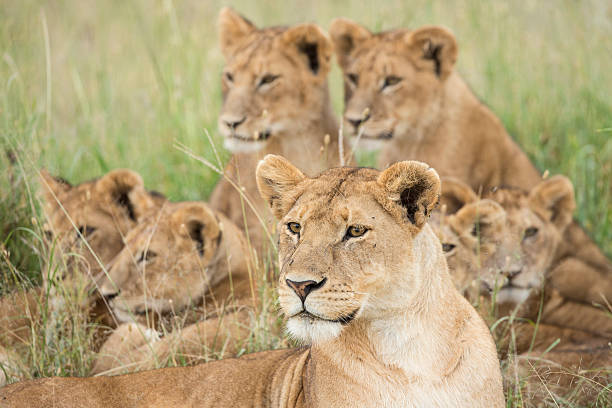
89,86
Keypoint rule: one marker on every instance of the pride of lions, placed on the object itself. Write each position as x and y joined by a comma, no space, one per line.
378,270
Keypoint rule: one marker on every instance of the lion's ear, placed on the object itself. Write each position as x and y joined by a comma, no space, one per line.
196,221
346,36
233,28
52,187
312,47
412,188
276,177
553,200
478,216
125,189
456,194
433,48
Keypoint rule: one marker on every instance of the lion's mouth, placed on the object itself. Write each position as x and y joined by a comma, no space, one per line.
343,320
256,137
383,136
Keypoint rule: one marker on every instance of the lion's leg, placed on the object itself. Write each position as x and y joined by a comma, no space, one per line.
18,313
583,273
578,281
562,312
213,338
123,348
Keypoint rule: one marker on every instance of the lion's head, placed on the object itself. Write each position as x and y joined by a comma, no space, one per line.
90,220
475,239
393,80
170,260
537,219
274,80
351,242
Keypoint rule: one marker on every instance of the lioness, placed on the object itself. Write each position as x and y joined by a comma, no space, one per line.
86,222
275,100
403,95
363,279
504,246
487,248
183,257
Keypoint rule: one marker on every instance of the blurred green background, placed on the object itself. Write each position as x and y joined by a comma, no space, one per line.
88,86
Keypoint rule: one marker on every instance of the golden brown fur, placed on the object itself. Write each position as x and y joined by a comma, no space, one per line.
491,244
275,100
386,329
181,265
403,94
86,225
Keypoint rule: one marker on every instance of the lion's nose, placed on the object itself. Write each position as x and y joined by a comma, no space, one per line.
511,274
302,289
355,122
232,122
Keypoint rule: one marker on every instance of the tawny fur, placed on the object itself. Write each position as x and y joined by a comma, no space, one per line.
184,264
402,93
391,329
290,115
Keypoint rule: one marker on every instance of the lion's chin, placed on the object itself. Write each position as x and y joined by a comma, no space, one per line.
311,330
236,145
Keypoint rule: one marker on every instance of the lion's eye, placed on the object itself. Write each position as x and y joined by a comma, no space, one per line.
229,77
448,247
146,256
530,232
390,81
86,230
294,227
355,231
353,78
267,79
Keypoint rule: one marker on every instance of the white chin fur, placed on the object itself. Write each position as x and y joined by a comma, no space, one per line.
512,295
311,331
368,145
240,146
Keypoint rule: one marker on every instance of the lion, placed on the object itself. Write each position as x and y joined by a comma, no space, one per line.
363,281
404,96
275,100
504,245
184,263
87,222
487,248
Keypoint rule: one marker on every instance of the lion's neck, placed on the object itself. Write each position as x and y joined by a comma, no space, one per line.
409,342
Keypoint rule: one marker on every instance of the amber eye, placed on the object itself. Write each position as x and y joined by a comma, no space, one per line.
267,79
229,77
353,78
294,227
146,256
86,230
355,231
448,247
390,81
530,232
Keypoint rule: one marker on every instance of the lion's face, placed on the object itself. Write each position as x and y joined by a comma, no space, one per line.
503,244
537,220
393,80
274,80
90,220
478,246
346,240
167,264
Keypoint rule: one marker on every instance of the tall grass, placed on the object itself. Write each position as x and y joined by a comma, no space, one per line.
89,86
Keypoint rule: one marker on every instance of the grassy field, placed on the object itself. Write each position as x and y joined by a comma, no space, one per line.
89,86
